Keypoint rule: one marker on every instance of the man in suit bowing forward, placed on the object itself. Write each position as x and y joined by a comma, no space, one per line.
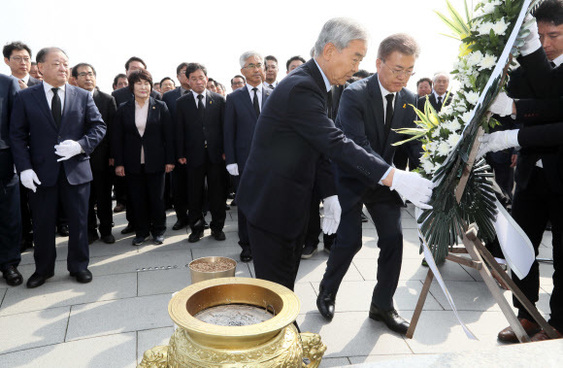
241,113
292,139
199,144
55,127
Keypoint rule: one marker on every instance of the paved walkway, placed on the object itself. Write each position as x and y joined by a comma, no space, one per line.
111,321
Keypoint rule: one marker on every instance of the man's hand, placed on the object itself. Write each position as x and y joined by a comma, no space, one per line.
503,105
233,169
412,187
332,212
532,40
182,160
498,141
120,171
67,149
28,178
168,168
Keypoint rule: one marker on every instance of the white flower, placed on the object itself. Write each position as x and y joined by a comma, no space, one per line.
472,97
427,166
488,62
500,27
446,110
443,149
474,58
485,28
435,133
466,116
460,107
452,126
453,139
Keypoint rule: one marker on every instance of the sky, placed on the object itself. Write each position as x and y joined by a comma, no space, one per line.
215,33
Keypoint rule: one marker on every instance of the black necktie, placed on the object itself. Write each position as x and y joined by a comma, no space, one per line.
255,102
388,112
439,100
271,86
329,105
56,106
552,64
200,106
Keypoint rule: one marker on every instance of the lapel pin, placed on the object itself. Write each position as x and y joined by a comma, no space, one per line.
404,106
210,102
154,107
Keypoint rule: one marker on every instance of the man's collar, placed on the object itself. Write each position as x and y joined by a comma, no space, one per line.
437,95
49,87
249,86
325,79
558,60
384,91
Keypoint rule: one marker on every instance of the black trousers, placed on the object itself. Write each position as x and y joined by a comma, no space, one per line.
532,208
387,219
44,208
145,193
100,196
25,210
10,222
214,173
275,258
179,192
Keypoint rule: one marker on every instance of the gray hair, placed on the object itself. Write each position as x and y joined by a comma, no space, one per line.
439,74
401,42
246,55
340,32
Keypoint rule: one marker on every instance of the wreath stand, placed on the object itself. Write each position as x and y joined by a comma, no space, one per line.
483,261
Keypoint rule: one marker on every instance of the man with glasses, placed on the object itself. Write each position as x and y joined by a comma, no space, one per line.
100,161
17,56
237,82
439,96
241,113
370,111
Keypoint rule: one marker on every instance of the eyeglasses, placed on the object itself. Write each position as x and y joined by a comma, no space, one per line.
238,83
252,66
19,59
83,74
398,73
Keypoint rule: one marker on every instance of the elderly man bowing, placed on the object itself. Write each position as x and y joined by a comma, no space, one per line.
55,127
292,140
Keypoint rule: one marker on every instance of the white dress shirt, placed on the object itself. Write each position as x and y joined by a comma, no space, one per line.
49,94
258,93
141,116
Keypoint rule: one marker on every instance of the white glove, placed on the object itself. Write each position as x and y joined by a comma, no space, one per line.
332,212
233,169
67,149
413,187
532,40
502,105
29,178
498,141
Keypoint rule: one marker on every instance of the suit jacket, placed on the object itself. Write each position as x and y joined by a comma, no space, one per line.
107,107
534,79
8,88
433,101
361,119
157,140
32,81
191,132
170,98
291,135
240,120
34,133
124,94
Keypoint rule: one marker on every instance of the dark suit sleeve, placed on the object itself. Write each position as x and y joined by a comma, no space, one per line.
325,184
229,132
111,109
117,137
96,128
307,116
543,79
168,126
541,135
19,135
532,111
179,125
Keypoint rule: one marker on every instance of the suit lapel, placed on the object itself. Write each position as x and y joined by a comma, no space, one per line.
399,108
39,94
70,98
376,106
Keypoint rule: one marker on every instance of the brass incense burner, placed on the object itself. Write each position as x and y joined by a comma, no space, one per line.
273,343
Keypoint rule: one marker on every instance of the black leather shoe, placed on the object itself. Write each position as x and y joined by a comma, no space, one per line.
13,276
93,236
108,239
391,319
62,230
139,240
308,251
325,304
180,224
83,277
246,254
218,235
158,239
37,280
129,229
195,236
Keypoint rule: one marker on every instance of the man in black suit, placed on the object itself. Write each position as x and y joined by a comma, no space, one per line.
370,110
199,144
439,96
121,96
10,220
538,196
180,173
292,139
56,114
17,56
100,162
241,113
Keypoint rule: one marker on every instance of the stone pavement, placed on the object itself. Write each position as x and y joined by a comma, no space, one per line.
111,321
